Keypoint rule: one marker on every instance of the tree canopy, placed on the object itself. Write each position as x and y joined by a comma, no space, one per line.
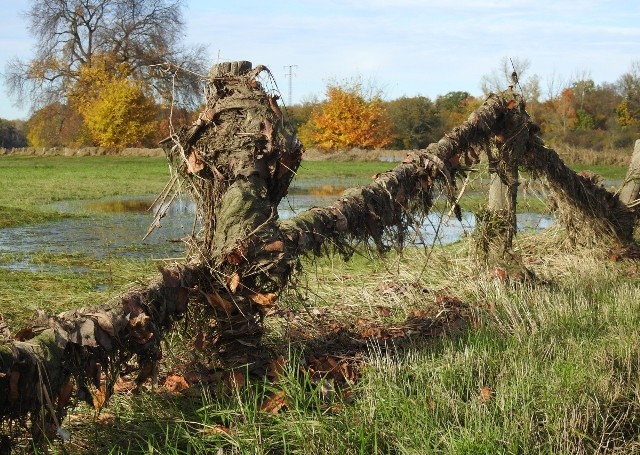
350,117
71,34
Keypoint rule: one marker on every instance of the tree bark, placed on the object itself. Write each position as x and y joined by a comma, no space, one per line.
630,191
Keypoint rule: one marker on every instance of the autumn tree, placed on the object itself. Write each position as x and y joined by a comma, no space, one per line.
122,116
629,89
56,125
115,108
415,122
70,34
454,108
351,116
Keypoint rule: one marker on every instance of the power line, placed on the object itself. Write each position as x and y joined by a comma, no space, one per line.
290,74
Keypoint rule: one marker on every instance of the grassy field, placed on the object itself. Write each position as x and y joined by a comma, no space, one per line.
428,351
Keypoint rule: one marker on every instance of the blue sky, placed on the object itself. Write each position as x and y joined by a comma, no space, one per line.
404,47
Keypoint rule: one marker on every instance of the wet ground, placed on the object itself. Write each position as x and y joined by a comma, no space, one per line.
115,227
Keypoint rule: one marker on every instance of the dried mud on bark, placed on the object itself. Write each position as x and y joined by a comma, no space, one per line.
237,161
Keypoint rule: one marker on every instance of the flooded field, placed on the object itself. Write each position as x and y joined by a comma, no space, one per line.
115,227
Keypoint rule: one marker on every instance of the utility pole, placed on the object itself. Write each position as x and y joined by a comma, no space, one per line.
290,74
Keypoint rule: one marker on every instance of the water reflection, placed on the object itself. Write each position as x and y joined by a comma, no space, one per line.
115,227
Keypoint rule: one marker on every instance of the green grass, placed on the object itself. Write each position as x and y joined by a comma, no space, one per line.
545,367
29,183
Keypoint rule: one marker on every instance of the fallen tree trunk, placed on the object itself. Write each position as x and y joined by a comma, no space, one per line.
237,161
606,214
630,190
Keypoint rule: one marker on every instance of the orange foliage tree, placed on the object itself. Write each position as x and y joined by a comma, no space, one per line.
350,117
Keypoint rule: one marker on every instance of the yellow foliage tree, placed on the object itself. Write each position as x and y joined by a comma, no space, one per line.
348,118
115,109
122,116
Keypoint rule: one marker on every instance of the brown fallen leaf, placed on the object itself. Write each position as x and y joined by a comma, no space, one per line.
64,395
220,303
275,402
234,282
99,397
233,381
123,385
277,246
486,394
139,328
194,163
264,299
499,273
383,310
275,369
175,383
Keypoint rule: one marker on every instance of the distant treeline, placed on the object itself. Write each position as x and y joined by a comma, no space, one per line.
577,115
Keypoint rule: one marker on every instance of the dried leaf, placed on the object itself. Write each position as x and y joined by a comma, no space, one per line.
64,395
99,397
277,246
14,380
383,310
372,332
486,394
219,303
170,277
511,104
176,383
235,258
233,381
194,163
275,402
234,282
25,334
182,300
139,330
264,299
199,341
123,385
275,369
499,273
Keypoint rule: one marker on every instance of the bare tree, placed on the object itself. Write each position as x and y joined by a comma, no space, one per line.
71,34
500,78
